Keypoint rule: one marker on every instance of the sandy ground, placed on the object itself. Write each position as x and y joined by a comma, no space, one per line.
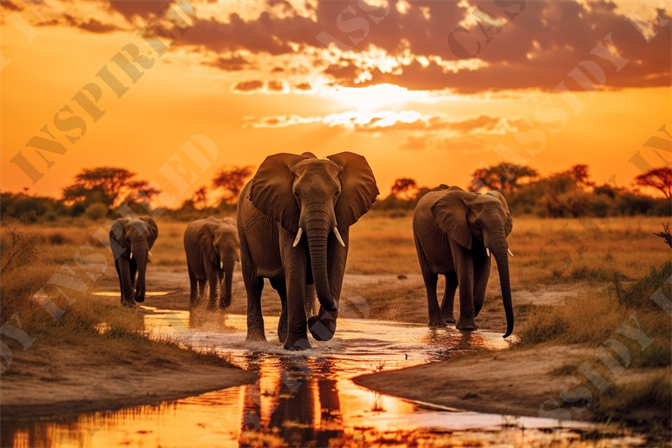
522,383
48,380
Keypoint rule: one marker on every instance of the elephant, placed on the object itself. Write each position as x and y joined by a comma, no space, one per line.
131,240
455,232
294,218
212,248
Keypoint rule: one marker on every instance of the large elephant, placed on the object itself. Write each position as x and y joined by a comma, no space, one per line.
212,249
455,232
131,239
293,221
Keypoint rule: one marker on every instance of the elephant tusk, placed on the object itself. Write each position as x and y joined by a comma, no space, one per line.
487,251
131,255
298,237
221,265
338,236
150,253
510,252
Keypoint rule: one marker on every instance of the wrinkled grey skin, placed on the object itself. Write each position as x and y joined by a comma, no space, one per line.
131,240
212,250
452,229
289,192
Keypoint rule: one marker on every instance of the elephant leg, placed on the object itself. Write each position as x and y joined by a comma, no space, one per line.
430,278
125,281
281,288
133,265
193,291
121,284
311,300
481,276
464,266
254,286
213,280
449,298
295,280
202,289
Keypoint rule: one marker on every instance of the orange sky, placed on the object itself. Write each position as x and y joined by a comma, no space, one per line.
253,78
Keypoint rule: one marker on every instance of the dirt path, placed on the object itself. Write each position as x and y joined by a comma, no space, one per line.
513,382
49,380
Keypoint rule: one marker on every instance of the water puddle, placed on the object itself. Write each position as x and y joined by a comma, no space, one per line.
307,399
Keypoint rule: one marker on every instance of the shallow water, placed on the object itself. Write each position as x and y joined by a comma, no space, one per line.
305,399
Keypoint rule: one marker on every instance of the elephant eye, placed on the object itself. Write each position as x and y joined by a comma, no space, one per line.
337,192
296,193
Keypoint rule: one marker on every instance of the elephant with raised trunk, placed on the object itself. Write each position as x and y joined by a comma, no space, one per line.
293,220
131,239
455,233
212,249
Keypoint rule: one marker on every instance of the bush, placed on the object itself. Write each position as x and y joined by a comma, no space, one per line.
638,294
96,211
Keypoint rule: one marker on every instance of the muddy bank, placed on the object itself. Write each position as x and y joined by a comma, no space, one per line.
513,382
50,381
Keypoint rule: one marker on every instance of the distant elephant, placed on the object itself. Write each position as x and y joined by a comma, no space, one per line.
131,240
212,249
455,231
293,220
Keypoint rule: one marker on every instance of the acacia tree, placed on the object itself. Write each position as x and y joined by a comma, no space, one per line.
658,178
406,187
232,180
108,185
504,177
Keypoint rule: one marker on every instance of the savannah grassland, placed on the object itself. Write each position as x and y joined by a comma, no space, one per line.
568,299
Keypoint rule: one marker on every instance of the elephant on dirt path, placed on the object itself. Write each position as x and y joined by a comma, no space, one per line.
455,232
293,220
212,248
131,239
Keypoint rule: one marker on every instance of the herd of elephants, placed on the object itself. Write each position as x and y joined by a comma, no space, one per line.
293,227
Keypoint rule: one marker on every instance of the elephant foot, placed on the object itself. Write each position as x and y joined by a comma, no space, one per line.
449,320
255,337
295,343
224,303
128,303
139,299
437,323
282,330
466,325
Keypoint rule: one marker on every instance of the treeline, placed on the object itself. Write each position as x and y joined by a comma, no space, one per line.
100,192
568,193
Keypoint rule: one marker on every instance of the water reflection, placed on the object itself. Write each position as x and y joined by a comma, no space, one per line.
305,399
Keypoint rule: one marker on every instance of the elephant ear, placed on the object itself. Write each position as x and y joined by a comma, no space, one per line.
507,213
153,230
118,238
450,213
359,188
206,242
271,190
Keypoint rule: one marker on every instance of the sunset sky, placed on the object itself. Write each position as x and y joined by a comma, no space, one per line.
374,77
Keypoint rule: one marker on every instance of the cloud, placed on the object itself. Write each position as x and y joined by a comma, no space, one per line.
248,86
92,25
230,64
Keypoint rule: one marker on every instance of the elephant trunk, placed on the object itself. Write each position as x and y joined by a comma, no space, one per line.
227,282
500,252
319,225
140,255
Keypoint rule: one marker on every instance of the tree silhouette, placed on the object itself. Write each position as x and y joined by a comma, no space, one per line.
200,198
232,180
406,187
504,177
658,178
107,185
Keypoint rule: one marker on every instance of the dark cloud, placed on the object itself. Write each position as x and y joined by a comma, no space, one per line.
275,86
231,64
303,86
536,49
92,25
249,86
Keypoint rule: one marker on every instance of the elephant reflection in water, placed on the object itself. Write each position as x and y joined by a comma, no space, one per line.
310,402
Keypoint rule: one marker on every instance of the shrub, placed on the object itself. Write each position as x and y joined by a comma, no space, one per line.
96,211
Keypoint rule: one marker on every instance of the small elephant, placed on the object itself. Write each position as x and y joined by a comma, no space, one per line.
455,232
212,249
131,240
294,218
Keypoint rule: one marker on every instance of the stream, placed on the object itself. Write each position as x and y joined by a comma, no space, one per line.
308,398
